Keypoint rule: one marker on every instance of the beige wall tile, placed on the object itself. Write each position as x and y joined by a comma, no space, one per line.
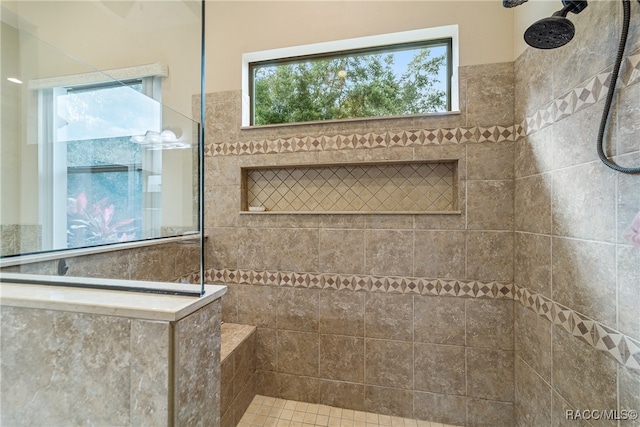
629,398
257,305
388,401
583,197
380,372
294,387
226,385
221,248
388,316
490,256
386,252
584,277
455,221
342,394
342,312
533,87
278,249
111,265
298,353
150,376
489,323
490,205
532,204
439,368
440,408
628,116
490,374
532,263
583,375
341,251
151,264
628,259
559,408
628,199
267,383
244,366
489,413
266,349
533,153
342,358
230,304
298,309
592,51
439,320
196,367
485,85
439,254
532,398
226,199
490,161
533,341
574,138
244,399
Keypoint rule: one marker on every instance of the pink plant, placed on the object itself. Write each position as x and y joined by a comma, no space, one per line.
633,235
92,226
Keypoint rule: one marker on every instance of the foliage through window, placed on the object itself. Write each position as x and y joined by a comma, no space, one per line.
405,79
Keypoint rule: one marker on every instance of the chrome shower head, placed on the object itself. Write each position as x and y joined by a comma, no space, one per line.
555,31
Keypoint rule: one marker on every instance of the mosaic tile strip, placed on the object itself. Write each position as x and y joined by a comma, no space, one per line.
386,284
404,138
624,349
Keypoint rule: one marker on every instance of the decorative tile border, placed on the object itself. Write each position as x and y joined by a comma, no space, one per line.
386,284
622,348
403,138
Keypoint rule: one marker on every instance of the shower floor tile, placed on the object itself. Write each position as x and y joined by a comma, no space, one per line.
271,412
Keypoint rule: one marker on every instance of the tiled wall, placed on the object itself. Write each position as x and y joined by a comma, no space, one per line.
423,303
86,369
19,238
238,372
577,278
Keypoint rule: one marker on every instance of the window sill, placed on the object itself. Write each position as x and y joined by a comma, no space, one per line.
356,120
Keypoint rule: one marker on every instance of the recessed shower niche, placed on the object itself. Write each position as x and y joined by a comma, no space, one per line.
408,187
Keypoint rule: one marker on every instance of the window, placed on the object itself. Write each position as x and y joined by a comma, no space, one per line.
391,75
94,172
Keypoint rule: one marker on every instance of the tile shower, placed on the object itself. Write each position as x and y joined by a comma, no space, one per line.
508,313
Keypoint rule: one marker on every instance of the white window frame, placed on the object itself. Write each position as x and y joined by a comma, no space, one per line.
447,31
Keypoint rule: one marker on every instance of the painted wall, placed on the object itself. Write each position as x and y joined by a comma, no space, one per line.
486,28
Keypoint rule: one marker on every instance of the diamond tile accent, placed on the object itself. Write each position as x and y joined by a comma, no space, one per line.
406,187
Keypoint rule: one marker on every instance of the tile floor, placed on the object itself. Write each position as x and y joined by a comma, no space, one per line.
272,412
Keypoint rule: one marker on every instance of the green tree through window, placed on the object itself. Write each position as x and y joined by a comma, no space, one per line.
400,82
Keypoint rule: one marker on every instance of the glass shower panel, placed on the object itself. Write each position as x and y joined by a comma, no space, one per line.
99,173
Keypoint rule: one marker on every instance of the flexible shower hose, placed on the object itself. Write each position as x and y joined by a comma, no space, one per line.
626,8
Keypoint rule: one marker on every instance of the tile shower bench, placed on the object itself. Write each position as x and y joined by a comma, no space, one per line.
77,356
238,366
